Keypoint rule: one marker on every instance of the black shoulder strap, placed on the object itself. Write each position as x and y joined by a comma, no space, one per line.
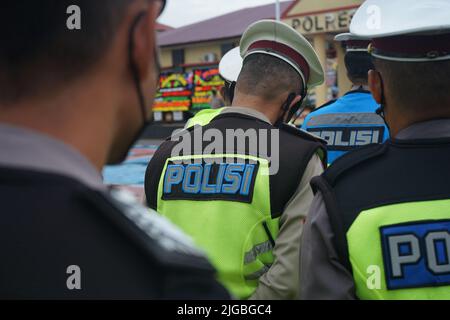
319,143
352,159
154,171
336,222
302,134
325,184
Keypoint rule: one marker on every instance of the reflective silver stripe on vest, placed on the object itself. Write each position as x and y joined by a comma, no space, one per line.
346,118
256,251
258,274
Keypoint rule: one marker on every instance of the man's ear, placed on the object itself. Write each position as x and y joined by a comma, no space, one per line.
296,100
144,44
376,86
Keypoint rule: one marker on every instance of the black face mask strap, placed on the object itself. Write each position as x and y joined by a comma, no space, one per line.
294,109
297,109
134,69
382,109
285,109
231,89
300,111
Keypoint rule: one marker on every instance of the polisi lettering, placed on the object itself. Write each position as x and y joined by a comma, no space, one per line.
357,138
414,253
186,181
347,138
417,254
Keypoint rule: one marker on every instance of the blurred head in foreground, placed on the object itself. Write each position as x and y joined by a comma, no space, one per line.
81,71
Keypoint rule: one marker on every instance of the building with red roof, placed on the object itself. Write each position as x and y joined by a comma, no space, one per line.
200,46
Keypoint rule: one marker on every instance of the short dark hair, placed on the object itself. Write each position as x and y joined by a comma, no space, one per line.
358,65
268,77
39,50
417,85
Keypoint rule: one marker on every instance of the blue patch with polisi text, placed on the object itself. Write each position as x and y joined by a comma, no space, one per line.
416,254
210,181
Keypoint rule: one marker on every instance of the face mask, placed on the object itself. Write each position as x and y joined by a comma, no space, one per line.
381,110
229,87
137,82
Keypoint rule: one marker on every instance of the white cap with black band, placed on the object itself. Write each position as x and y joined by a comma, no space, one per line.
405,30
277,39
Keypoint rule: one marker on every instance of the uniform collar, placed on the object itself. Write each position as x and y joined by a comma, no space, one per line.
26,149
432,129
246,111
360,89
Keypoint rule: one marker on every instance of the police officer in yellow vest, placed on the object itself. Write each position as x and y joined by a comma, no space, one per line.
379,226
245,204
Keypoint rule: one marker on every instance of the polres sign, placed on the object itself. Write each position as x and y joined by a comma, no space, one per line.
337,21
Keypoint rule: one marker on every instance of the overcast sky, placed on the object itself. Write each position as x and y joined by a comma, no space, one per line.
182,12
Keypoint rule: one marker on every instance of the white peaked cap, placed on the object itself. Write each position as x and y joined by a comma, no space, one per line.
231,65
405,30
279,40
385,18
